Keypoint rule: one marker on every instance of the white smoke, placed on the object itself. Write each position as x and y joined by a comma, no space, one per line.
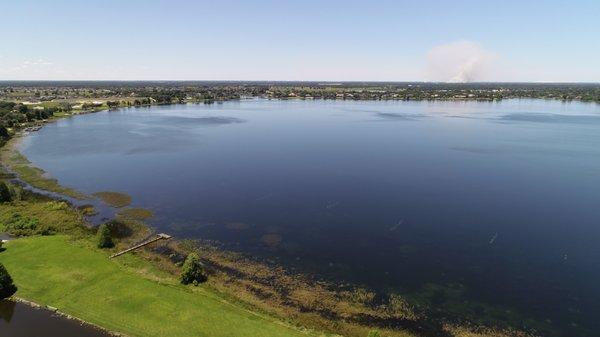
460,62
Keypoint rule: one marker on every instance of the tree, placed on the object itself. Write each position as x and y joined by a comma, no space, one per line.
104,238
5,195
4,133
7,287
193,270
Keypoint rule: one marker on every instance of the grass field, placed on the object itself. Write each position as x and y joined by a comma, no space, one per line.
126,295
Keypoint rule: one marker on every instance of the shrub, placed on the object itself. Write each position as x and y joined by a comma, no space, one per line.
192,270
19,225
7,287
5,195
104,238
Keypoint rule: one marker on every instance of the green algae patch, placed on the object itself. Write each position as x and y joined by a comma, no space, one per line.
36,177
114,199
136,213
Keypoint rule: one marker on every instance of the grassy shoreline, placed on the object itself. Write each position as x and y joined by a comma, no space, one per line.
13,161
127,295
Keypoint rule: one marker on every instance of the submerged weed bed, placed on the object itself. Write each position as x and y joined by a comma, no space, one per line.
114,199
136,213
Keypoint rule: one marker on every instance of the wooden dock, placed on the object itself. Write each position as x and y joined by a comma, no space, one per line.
161,236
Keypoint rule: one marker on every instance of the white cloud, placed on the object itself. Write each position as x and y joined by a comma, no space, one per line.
460,61
28,69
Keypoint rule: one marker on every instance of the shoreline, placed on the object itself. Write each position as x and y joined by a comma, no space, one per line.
250,288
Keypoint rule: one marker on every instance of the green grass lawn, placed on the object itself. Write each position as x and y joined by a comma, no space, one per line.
126,295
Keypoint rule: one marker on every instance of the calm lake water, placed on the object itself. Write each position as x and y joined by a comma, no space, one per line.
483,210
19,320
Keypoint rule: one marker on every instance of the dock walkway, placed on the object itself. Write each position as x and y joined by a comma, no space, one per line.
161,236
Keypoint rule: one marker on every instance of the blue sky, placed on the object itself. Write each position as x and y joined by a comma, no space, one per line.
301,40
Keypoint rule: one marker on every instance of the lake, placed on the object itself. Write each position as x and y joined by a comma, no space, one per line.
20,320
487,210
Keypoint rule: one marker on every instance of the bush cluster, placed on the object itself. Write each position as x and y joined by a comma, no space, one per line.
104,237
192,270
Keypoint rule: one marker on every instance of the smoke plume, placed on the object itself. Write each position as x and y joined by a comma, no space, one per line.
460,62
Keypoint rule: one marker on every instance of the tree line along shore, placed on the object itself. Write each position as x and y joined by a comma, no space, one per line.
29,101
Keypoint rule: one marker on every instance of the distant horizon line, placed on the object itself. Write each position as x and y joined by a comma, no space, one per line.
307,81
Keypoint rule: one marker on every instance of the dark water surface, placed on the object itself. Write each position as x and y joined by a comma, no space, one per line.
20,320
483,210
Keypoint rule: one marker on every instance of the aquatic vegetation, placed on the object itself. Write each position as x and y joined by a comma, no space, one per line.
345,309
362,296
398,306
136,213
36,177
457,331
271,240
87,210
114,199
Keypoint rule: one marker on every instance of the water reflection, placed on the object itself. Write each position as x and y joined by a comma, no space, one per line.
20,320
7,309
